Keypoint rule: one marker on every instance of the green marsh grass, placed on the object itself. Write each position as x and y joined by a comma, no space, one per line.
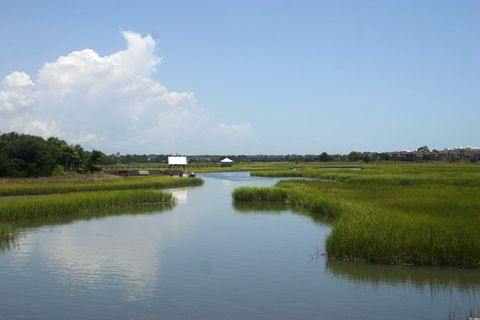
9,232
62,198
8,236
124,183
23,208
424,214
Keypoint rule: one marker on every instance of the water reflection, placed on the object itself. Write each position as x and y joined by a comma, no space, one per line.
433,278
8,242
265,207
259,207
16,229
88,253
460,285
181,195
123,252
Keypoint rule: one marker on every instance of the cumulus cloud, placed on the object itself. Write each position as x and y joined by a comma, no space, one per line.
244,129
111,103
17,80
16,93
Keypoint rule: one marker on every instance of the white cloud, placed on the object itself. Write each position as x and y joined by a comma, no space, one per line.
110,103
17,80
16,93
234,129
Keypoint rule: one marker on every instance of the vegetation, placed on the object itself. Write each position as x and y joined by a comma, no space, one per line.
260,194
77,196
422,154
19,218
22,208
390,213
23,155
15,188
6,232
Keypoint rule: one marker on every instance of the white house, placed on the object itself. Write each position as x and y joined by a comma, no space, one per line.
226,162
177,161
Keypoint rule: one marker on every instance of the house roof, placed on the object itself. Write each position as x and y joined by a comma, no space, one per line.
226,160
177,160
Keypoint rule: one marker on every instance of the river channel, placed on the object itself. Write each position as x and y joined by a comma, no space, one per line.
207,259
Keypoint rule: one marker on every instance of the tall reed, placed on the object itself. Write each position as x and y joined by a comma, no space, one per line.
16,189
400,214
23,208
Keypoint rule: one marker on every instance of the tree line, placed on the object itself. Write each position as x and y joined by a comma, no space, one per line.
23,155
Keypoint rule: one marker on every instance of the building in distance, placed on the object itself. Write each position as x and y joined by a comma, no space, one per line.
226,162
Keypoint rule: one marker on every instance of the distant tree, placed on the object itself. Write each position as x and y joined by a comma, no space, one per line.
23,155
423,149
77,157
354,156
64,153
384,156
324,157
93,159
310,158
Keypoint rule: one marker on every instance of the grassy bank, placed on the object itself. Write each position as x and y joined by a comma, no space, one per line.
9,230
15,188
23,208
387,173
80,196
402,214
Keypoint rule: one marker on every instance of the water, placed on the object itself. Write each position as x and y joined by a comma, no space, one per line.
204,259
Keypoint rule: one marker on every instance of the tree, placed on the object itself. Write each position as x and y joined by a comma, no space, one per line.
23,155
92,161
324,157
77,157
384,156
423,149
354,156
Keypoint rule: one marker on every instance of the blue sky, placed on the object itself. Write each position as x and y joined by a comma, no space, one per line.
254,76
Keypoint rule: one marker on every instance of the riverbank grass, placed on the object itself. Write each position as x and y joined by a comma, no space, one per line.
424,215
12,188
22,208
26,200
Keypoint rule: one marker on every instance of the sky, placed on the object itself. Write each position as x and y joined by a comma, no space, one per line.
242,77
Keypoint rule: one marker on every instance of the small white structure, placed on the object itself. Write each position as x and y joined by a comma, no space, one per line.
226,162
177,161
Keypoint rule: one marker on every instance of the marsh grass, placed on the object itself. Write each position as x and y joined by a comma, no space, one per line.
7,235
11,232
394,214
50,198
260,194
23,208
10,188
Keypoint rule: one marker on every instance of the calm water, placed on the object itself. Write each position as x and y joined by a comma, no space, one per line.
205,259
